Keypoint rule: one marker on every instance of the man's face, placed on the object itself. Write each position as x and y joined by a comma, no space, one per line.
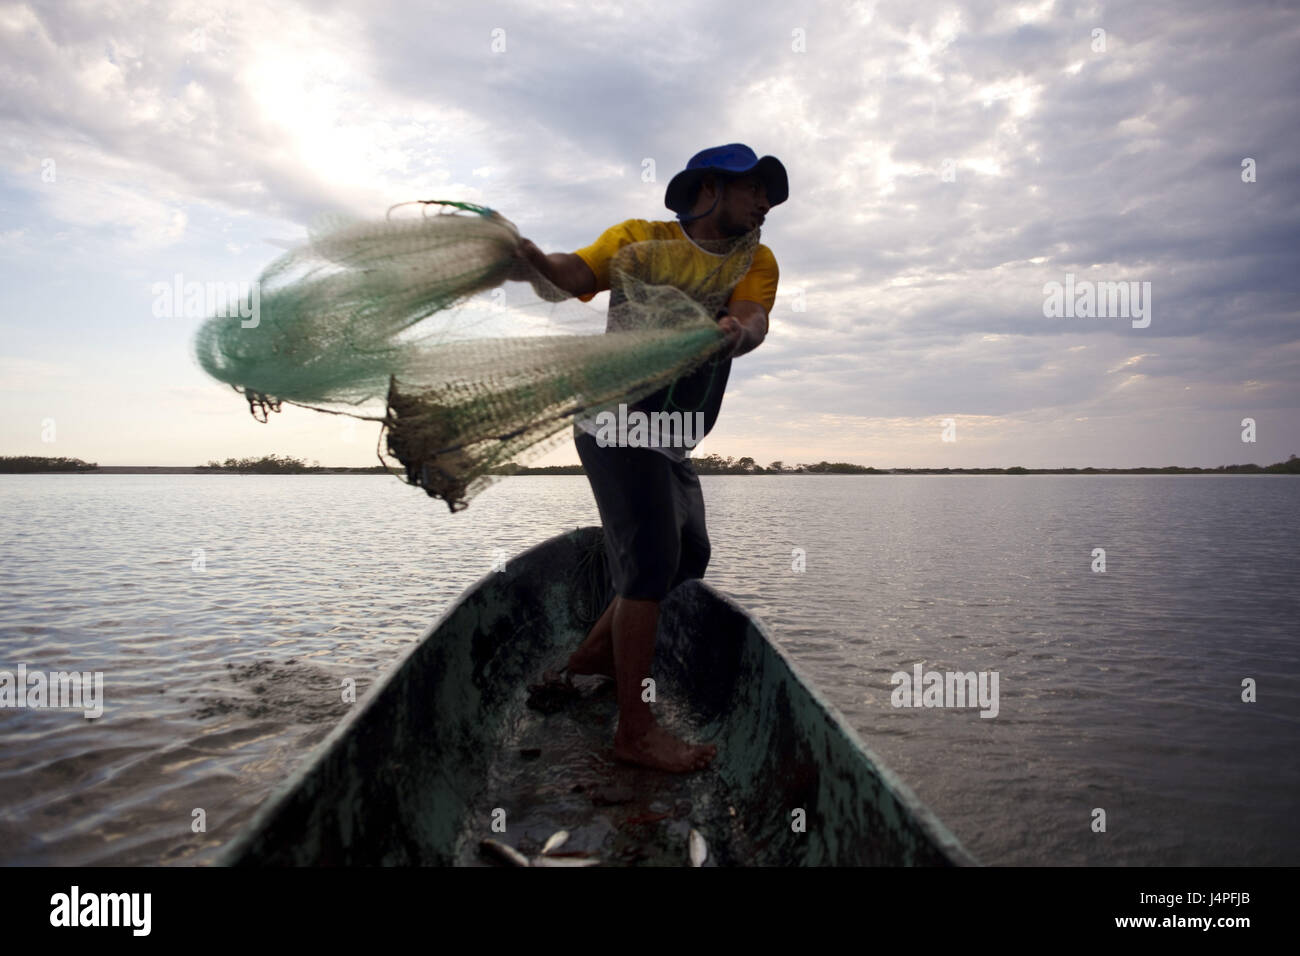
743,205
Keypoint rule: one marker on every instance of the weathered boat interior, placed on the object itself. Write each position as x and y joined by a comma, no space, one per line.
447,744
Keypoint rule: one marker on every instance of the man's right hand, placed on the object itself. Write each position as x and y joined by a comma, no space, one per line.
566,271
538,269
528,249
530,258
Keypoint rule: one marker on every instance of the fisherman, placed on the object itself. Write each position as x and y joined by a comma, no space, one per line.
649,498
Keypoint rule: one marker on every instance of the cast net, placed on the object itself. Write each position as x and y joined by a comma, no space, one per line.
411,315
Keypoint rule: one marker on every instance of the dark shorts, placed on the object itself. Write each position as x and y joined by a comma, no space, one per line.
652,510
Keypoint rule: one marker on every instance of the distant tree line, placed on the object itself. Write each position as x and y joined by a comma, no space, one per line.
15,464
704,465
717,465
266,465
279,465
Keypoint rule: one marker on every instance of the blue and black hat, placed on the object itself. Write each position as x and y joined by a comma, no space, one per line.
735,159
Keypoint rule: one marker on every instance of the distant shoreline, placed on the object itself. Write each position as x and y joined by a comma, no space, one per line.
183,470
577,470
704,465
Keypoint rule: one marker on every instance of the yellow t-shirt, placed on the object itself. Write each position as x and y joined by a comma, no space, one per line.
757,285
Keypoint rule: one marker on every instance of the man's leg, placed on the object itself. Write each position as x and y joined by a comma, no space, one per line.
626,633
696,549
637,500
595,655
639,739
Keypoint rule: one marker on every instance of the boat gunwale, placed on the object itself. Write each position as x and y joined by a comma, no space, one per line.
934,828
242,841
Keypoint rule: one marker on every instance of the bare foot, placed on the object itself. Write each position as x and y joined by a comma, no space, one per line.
597,660
660,750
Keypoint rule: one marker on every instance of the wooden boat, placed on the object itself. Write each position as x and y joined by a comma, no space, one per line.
445,750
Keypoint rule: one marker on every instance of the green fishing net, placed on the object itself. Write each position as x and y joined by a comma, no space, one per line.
413,313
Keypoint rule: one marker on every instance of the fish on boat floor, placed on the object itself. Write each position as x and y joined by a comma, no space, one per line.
556,771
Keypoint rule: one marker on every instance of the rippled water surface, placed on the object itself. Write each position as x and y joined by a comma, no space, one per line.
225,611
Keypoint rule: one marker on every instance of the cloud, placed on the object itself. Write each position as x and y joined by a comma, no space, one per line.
19,374
946,161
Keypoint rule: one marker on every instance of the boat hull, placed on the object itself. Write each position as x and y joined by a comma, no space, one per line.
444,752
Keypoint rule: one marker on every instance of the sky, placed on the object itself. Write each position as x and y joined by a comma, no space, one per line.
947,162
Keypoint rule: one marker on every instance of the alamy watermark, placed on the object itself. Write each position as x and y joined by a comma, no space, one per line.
638,429
130,910
1086,299
199,300
951,689
57,689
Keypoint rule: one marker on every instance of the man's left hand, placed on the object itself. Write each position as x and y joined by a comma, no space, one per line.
737,334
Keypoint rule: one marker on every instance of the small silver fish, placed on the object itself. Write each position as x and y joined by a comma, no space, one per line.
566,861
699,849
503,852
555,841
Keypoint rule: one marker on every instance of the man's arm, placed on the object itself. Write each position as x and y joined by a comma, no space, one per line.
563,269
745,325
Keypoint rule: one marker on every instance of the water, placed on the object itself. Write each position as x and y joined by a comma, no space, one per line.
1118,690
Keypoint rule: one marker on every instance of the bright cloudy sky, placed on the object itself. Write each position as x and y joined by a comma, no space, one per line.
946,161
